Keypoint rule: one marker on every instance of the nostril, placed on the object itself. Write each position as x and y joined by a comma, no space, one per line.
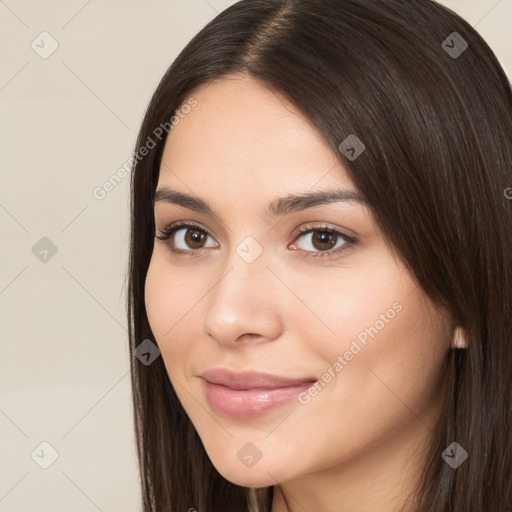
250,336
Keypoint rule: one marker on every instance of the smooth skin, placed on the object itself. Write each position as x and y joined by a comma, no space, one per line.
357,445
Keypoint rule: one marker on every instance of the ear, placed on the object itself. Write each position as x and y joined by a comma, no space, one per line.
459,338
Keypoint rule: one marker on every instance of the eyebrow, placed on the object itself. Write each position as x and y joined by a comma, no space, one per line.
277,208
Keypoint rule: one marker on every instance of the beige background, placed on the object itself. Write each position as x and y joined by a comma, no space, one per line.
67,123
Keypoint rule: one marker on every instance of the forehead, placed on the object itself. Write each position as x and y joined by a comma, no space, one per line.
242,133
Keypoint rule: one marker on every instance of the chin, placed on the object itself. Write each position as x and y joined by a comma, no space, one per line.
250,478
260,474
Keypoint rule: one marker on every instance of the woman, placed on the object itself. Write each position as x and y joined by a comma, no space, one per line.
321,250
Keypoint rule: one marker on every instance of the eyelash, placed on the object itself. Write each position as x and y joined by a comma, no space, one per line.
168,231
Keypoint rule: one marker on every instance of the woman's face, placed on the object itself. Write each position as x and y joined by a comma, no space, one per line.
302,290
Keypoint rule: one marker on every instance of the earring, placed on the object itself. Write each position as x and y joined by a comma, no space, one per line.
459,340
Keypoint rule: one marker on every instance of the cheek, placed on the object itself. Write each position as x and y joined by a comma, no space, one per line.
170,297
391,362
174,300
374,332
156,300
358,304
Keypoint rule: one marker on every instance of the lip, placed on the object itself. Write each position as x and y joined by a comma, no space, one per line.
250,394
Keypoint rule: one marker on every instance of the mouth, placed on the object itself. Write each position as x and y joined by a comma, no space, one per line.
250,394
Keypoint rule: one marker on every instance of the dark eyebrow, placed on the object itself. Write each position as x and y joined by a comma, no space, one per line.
279,207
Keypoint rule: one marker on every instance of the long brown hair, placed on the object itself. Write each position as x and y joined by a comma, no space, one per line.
434,110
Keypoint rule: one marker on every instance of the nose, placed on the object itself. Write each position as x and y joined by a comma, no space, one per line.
243,305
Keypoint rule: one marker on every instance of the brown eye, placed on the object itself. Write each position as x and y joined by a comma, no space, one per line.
194,238
321,239
324,240
185,238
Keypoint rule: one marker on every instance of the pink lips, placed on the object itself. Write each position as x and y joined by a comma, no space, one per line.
249,394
